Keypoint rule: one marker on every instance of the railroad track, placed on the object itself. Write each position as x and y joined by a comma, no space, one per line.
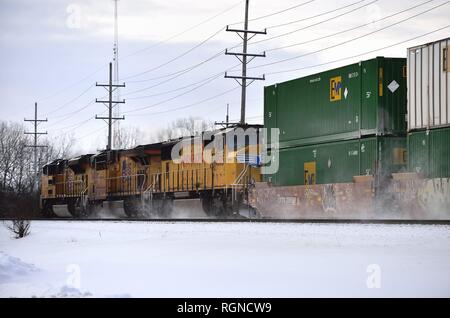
245,220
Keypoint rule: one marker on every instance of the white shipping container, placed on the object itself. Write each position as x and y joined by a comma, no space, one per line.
428,85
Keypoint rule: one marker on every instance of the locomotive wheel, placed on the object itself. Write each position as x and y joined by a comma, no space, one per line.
77,210
47,210
207,205
167,208
219,206
131,206
150,208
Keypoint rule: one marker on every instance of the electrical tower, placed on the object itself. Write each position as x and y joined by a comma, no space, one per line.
35,145
243,58
116,138
110,104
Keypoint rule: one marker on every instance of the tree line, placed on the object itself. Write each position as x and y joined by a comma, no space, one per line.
19,194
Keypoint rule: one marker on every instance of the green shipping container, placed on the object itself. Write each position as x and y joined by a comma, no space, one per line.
429,153
339,162
363,99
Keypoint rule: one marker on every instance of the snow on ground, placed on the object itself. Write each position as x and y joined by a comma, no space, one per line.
122,259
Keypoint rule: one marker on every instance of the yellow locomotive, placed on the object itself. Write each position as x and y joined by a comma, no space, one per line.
216,167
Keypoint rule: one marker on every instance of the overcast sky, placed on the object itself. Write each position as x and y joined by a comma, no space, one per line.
53,52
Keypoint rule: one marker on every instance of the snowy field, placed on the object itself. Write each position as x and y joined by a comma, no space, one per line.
89,259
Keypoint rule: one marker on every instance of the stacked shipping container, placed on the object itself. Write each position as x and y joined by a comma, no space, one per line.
429,109
340,123
339,162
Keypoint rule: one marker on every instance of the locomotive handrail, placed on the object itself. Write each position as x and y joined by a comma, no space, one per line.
238,180
234,187
66,182
166,185
128,176
75,191
139,186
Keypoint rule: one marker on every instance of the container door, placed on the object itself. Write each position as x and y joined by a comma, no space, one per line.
418,152
368,159
270,109
439,165
369,97
392,96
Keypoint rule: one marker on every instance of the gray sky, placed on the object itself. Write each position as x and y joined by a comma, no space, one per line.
53,52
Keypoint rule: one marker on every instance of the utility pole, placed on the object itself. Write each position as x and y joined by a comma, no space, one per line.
243,58
226,123
35,145
227,119
116,75
110,104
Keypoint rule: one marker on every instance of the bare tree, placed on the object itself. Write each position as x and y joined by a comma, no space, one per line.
14,157
20,228
60,147
182,127
128,137
18,196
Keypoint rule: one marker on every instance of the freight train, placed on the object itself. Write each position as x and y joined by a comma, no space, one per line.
147,179
350,142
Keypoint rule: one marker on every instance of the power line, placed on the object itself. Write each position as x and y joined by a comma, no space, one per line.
69,115
276,13
180,72
218,54
184,71
176,89
177,57
168,80
314,16
73,84
76,125
68,103
185,31
361,54
139,51
338,60
351,40
189,105
342,32
291,70
317,23
348,30
202,43
153,86
175,97
91,133
159,103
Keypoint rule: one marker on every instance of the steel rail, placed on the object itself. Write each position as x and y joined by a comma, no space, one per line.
246,220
